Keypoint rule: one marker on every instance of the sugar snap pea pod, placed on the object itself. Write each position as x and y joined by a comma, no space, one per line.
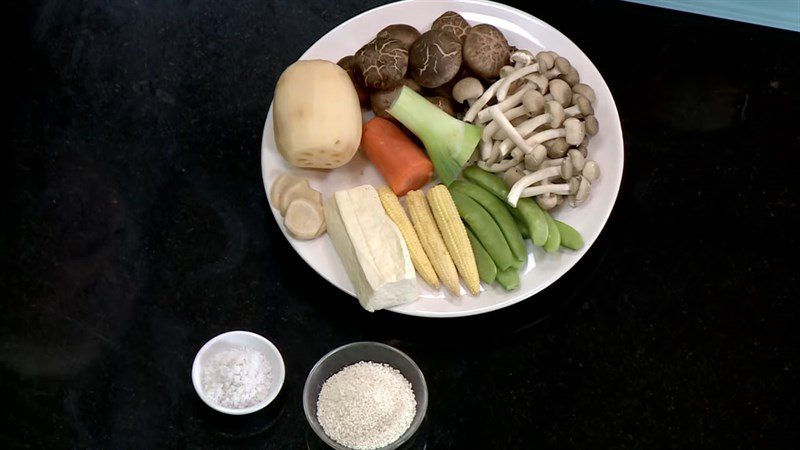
497,209
486,268
523,229
485,229
535,218
509,279
570,238
527,210
554,237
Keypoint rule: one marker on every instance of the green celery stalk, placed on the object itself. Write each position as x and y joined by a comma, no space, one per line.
449,142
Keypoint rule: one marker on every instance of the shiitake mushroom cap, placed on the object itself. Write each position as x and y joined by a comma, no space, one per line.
435,58
382,63
486,51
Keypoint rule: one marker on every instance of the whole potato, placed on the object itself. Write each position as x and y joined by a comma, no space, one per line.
317,117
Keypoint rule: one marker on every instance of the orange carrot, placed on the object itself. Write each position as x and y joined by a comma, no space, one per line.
401,162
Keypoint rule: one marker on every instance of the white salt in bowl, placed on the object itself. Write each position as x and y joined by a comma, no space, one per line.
349,354
230,340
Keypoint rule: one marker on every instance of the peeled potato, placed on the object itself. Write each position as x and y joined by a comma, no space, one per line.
317,116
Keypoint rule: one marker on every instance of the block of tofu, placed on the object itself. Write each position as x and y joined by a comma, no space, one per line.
371,248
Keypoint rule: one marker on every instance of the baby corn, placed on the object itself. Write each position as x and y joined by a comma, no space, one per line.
432,241
455,236
395,212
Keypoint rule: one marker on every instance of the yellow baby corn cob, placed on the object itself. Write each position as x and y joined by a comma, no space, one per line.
395,212
432,241
454,235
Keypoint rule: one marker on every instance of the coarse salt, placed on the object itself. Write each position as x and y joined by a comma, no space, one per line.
366,405
237,378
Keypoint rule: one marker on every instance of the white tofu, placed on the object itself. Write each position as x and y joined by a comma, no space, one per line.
371,248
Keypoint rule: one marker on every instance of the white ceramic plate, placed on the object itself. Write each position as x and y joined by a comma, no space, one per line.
521,30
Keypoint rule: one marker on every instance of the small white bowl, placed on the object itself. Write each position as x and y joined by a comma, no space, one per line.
229,340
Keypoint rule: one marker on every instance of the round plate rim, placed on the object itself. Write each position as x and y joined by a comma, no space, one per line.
515,297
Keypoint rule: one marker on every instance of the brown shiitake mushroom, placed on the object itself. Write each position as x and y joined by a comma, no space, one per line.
382,63
443,103
380,101
452,22
486,51
413,85
435,58
348,64
446,90
402,32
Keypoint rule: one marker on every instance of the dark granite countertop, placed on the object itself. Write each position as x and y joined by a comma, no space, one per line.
135,227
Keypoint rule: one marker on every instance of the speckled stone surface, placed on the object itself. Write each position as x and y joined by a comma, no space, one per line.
134,227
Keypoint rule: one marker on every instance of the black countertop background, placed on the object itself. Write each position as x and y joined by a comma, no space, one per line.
135,227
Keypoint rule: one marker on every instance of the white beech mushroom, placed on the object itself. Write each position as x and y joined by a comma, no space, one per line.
572,77
532,104
586,91
492,153
556,148
506,71
553,116
581,194
542,83
512,175
502,90
562,65
502,166
560,92
569,187
581,107
545,61
521,58
505,125
487,95
467,90
547,201
591,125
577,159
507,104
573,131
534,159
517,84
533,101
564,170
591,171
583,147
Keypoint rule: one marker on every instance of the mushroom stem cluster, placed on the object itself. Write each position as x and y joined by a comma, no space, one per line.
538,118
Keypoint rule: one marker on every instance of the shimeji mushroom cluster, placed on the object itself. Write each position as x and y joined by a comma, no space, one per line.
538,118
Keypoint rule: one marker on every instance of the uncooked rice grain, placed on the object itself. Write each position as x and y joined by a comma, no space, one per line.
366,405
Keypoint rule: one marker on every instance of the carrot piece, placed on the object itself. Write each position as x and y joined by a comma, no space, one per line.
401,162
